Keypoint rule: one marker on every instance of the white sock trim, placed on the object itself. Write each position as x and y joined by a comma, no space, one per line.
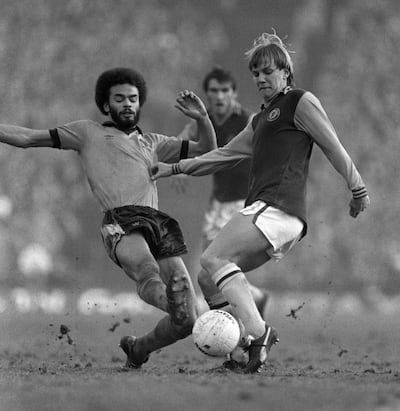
225,274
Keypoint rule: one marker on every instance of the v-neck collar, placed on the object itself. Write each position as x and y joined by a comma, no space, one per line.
282,92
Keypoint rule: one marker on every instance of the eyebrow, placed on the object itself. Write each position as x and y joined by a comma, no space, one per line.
269,67
126,95
219,88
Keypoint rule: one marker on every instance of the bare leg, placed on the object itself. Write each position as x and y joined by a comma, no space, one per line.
139,264
215,298
239,247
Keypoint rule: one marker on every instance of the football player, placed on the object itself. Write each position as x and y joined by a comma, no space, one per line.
279,139
229,187
116,157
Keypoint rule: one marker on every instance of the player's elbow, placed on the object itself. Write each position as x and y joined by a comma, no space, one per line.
199,149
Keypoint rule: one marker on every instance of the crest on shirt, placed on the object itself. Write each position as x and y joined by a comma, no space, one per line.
273,114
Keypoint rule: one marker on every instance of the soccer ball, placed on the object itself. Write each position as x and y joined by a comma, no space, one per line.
216,333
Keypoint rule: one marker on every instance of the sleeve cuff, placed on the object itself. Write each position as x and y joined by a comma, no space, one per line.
176,168
359,192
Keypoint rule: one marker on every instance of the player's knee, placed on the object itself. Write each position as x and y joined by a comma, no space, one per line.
147,271
209,263
178,272
148,268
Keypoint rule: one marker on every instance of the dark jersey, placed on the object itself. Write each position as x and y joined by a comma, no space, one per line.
280,139
281,155
229,184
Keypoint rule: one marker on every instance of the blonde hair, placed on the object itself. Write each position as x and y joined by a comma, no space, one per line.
270,48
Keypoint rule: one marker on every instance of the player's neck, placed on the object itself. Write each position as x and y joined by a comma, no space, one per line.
126,130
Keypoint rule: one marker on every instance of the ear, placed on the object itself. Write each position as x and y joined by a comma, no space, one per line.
286,73
106,107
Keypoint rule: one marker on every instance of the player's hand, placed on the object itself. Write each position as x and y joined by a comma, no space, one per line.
161,170
191,105
358,205
179,183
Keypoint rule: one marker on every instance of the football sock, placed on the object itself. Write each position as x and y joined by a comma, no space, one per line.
256,292
235,288
261,297
217,302
165,333
211,293
152,291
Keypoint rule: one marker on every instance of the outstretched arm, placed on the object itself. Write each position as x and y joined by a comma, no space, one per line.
192,106
311,118
24,137
227,156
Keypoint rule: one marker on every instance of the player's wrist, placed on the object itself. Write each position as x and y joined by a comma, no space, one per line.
176,169
202,116
359,192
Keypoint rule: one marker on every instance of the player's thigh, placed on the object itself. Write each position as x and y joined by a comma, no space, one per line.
241,242
135,256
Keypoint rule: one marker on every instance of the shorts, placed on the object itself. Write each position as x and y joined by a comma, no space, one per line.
217,215
161,232
282,230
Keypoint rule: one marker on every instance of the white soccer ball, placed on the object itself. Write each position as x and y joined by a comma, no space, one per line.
216,333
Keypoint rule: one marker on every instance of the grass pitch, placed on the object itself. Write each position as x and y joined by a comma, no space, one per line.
326,360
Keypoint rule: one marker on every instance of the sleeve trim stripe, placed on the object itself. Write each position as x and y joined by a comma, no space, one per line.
359,192
55,138
176,168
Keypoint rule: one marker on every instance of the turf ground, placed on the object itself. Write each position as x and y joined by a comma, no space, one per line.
328,359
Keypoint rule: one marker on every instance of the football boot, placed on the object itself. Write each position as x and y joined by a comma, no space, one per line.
259,349
133,360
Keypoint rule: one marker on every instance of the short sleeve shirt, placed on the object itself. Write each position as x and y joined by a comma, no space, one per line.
118,165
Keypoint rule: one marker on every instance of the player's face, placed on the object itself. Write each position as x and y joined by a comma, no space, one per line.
220,97
269,80
123,105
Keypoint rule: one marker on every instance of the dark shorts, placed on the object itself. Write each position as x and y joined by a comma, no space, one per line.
161,232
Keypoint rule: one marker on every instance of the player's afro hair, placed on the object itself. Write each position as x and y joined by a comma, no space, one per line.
118,75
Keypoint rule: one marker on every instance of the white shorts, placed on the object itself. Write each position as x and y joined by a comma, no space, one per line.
282,230
217,215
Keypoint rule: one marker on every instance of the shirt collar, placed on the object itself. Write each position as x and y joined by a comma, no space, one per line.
282,92
127,131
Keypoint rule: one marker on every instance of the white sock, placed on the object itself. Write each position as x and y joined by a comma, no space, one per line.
218,302
235,288
256,292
